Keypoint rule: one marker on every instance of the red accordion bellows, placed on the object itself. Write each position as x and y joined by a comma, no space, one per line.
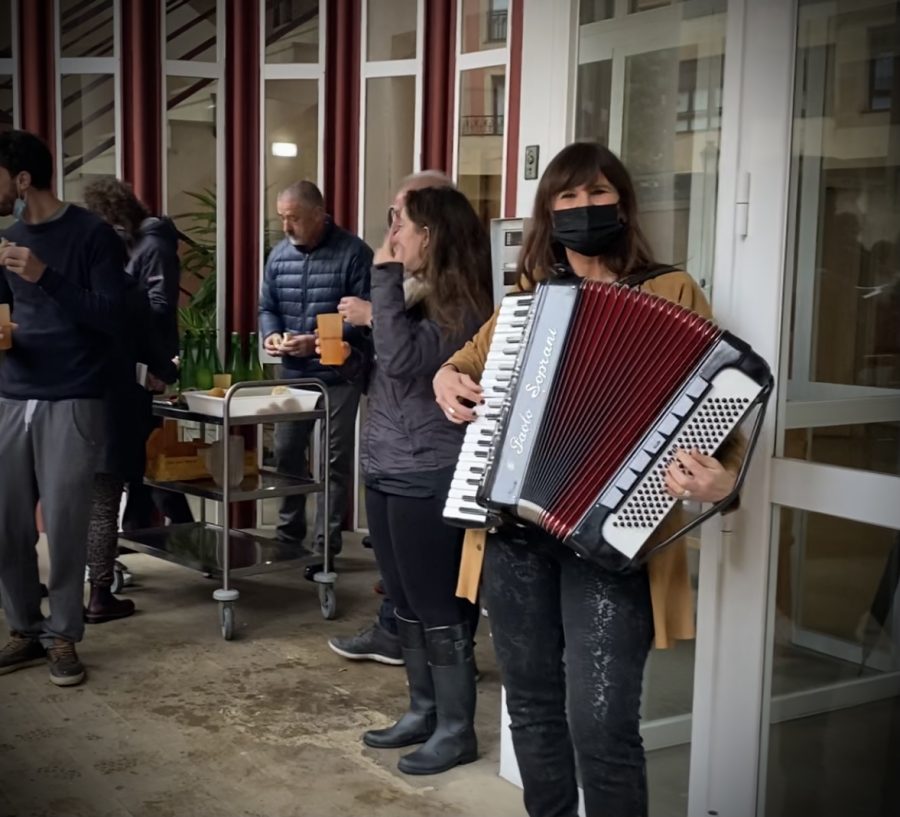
624,358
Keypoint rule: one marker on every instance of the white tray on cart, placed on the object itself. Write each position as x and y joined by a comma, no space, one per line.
252,402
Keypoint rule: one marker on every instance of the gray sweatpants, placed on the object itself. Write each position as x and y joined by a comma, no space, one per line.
48,451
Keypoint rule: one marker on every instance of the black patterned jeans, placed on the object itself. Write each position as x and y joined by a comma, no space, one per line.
571,640
103,533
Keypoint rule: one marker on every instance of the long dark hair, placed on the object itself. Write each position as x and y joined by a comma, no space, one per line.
578,164
457,261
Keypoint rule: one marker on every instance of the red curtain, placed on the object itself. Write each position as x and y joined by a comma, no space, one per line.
242,183
37,70
242,153
439,121
142,100
341,159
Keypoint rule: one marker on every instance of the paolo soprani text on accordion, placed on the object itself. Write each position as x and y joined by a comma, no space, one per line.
589,390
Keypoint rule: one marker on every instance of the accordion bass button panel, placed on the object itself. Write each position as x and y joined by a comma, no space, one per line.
462,508
731,394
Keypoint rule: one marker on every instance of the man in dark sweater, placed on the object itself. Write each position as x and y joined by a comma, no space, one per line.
62,272
308,273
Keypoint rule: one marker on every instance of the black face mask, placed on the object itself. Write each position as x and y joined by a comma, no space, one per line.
590,230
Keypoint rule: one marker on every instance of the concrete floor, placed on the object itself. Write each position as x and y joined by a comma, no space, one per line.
175,721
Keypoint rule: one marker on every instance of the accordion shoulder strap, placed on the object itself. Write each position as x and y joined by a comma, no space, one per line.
637,279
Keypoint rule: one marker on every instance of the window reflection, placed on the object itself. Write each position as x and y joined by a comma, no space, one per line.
191,30
292,31
292,119
484,24
390,118
86,28
391,28
481,126
843,296
88,130
191,141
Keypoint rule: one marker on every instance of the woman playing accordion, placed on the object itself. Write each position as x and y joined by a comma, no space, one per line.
572,638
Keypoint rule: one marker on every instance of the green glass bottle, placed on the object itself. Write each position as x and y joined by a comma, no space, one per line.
205,366
253,367
234,364
215,362
186,365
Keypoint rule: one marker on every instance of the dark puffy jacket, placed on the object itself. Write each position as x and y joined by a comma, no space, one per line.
298,284
405,431
154,263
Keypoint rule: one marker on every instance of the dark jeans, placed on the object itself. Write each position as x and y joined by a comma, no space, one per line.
418,556
571,641
291,445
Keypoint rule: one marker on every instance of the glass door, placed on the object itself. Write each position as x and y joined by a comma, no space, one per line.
833,726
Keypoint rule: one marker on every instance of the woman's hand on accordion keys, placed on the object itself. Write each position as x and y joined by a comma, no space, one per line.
692,475
451,388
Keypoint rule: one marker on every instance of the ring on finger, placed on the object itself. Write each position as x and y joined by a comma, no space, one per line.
685,493
451,410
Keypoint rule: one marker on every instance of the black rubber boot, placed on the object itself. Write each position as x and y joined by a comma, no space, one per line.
453,671
104,606
418,723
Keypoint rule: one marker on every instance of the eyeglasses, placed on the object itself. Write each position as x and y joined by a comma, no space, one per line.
391,215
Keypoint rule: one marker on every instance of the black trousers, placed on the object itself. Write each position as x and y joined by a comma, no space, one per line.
418,556
571,641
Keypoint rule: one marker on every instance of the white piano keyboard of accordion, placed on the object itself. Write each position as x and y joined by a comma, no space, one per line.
714,418
462,507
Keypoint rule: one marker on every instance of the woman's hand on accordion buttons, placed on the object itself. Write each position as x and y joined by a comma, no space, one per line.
692,475
450,389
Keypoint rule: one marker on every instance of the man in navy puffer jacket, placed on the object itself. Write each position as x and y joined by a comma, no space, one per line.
308,273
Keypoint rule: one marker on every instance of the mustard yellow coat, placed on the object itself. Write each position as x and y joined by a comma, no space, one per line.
670,588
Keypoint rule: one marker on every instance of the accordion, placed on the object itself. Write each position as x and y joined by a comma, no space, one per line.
589,390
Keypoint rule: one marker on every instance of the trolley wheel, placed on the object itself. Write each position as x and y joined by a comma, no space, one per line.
327,601
118,581
226,618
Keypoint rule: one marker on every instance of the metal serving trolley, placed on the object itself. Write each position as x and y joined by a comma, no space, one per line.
219,550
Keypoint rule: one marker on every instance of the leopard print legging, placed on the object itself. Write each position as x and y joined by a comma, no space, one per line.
103,534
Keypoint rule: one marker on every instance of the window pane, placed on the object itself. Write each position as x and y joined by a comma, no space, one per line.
292,31
390,133
834,738
484,24
191,30
480,169
89,131
191,142
590,11
843,343
292,127
391,29
6,102
594,97
86,28
5,29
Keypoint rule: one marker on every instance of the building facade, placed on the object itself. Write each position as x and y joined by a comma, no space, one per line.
764,139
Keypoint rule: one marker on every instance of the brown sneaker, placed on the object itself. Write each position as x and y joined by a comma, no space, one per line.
20,652
65,668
